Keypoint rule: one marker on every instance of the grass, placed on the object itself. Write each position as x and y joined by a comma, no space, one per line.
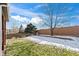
21,47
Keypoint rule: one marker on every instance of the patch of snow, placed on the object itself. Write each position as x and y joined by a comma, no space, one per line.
72,45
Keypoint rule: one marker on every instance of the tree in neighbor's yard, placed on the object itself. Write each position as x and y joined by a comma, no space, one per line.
21,29
54,16
30,29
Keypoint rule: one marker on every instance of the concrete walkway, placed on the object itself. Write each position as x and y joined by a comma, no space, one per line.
63,43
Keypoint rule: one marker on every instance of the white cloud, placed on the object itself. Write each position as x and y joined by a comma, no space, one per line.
36,20
38,6
20,18
24,25
76,16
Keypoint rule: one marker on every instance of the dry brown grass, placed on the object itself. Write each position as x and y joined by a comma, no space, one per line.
69,31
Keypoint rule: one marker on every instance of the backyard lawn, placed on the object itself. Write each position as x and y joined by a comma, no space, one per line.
25,47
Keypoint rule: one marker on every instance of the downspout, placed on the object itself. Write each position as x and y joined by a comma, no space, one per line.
0,30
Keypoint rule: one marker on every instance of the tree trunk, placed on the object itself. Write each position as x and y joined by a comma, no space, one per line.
52,31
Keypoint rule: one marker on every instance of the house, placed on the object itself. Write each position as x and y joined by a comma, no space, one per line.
3,19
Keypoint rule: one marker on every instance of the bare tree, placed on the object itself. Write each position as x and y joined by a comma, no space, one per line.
21,29
54,17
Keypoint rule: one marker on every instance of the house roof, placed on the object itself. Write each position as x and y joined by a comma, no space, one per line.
4,10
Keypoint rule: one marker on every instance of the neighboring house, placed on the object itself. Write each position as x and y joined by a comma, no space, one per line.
3,19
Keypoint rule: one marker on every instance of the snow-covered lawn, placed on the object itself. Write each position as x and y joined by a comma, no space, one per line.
72,44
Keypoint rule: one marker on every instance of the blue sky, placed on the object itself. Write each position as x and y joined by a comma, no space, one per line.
24,13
